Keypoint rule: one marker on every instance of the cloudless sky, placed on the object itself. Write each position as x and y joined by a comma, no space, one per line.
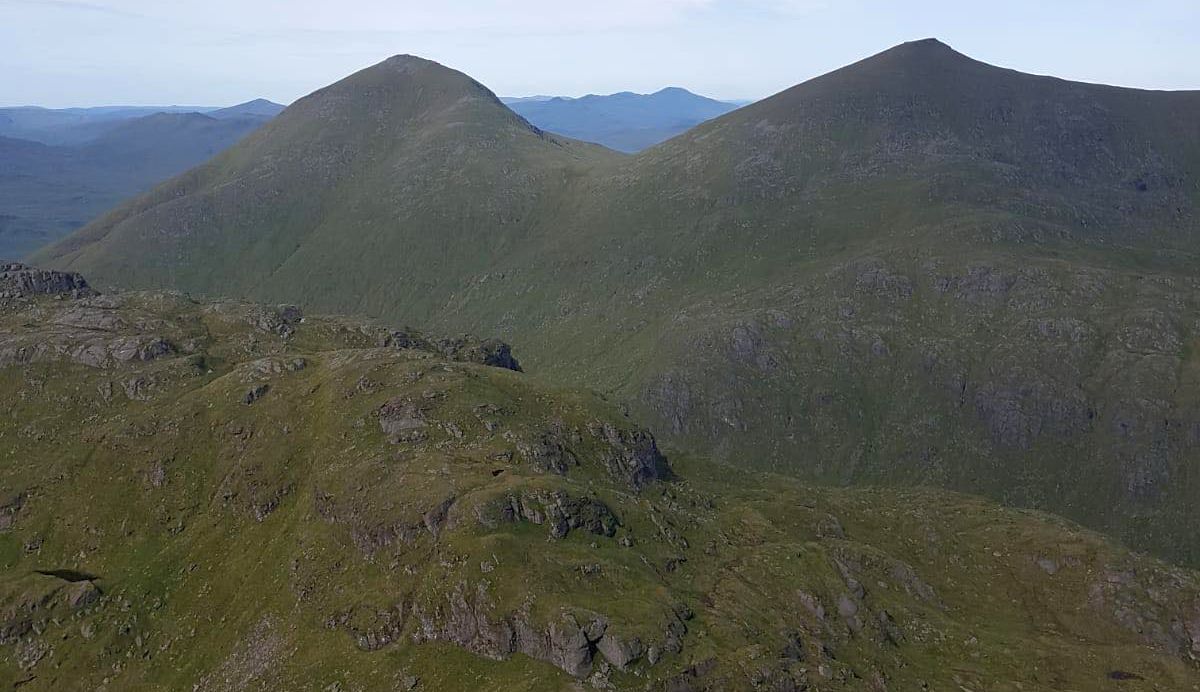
218,52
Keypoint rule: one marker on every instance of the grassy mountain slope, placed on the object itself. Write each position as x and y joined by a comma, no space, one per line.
46,192
226,496
917,269
405,159
626,121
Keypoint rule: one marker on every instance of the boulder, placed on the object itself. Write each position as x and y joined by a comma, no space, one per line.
620,652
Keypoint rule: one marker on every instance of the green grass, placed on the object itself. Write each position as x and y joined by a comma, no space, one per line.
197,590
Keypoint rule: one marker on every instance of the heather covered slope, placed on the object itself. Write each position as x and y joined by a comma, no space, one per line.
919,269
225,496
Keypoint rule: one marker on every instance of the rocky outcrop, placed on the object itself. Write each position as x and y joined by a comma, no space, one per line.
21,281
466,349
9,508
556,509
82,594
1017,415
491,352
372,628
280,320
402,421
622,653
1162,612
629,456
632,455
466,619
255,393
93,349
548,454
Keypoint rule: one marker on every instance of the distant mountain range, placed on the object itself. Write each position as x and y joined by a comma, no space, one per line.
624,121
60,169
79,125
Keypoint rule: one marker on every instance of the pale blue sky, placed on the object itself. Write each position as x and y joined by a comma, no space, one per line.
89,52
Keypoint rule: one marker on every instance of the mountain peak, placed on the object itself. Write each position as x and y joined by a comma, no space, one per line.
403,72
258,107
676,92
407,60
926,51
400,88
927,44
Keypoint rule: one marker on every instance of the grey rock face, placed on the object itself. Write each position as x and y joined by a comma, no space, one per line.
467,349
20,281
255,393
89,317
140,349
1017,415
95,349
280,320
620,652
633,455
372,629
436,517
491,352
571,644
548,454
1159,611
630,456
465,619
561,512
402,421
82,594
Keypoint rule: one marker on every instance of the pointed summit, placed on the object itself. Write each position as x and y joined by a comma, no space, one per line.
927,46
258,108
401,89
919,55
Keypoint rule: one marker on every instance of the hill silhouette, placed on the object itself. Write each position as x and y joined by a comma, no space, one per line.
625,121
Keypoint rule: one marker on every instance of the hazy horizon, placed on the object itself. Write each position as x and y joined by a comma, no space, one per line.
75,53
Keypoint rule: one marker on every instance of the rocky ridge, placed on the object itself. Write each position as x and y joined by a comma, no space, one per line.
307,502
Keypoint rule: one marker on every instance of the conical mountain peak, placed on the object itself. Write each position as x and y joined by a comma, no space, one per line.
401,94
407,76
925,46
